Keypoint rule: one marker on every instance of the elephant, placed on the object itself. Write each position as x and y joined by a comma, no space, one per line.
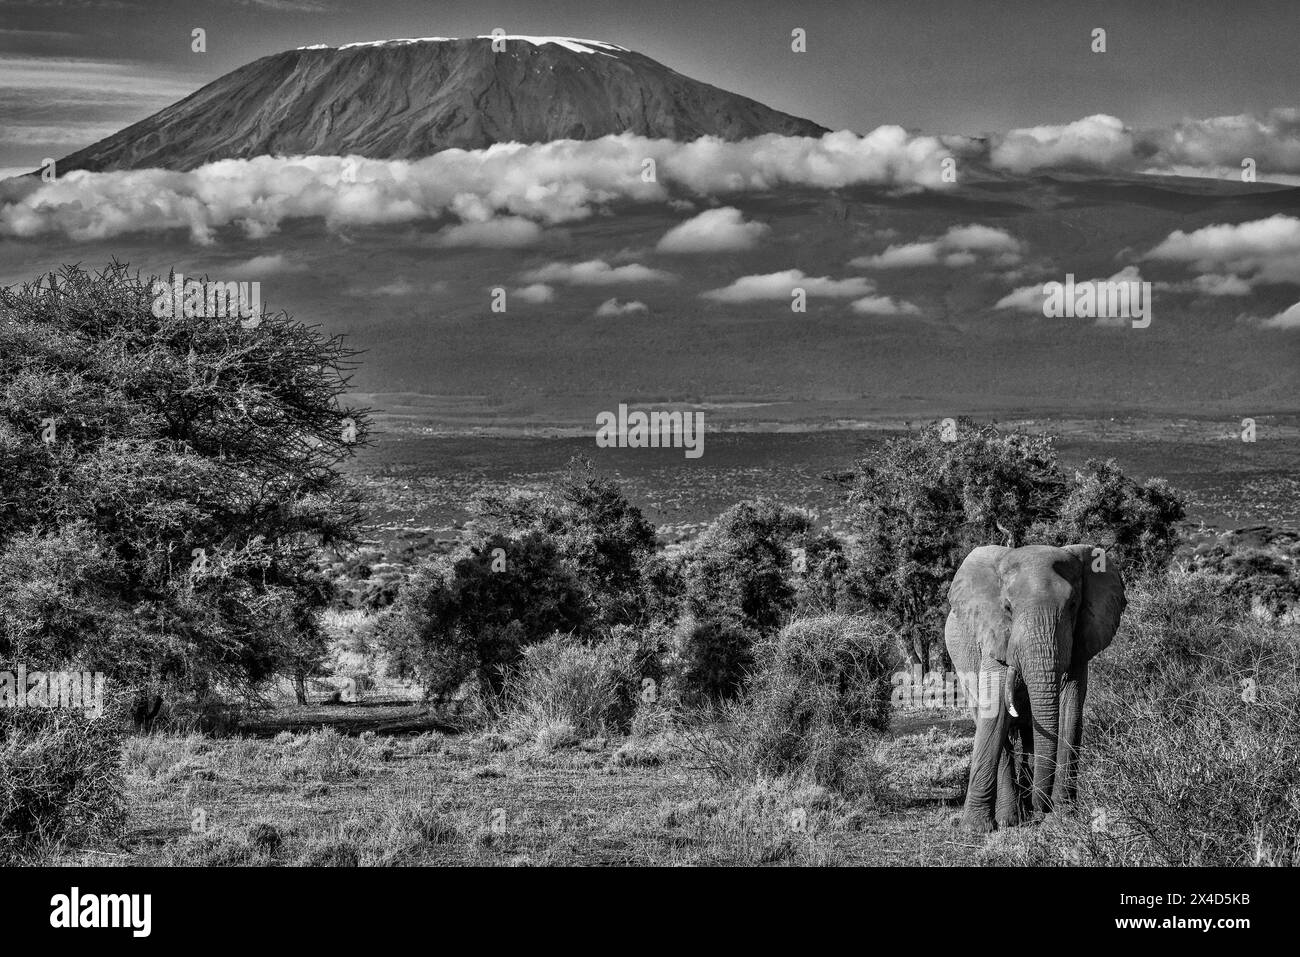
1023,623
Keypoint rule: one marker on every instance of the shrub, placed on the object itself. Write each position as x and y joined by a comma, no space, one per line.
61,775
1195,757
330,851
564,683
739,570
266,837
820,685
1137,523
709,660
472,615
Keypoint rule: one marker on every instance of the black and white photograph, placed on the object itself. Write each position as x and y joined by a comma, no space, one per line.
574,434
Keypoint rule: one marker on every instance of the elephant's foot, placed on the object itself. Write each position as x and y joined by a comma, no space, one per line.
977,822
1013,817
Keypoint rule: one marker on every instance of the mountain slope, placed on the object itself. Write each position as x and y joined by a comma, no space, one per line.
403,99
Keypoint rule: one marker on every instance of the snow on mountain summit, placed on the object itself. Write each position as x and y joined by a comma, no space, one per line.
574,44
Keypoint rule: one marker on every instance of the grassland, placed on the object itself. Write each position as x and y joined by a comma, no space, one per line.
322,798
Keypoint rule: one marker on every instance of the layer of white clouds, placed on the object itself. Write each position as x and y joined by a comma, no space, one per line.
505,232
713,231
960,246
1213,147
612,308
596,272
883,306
1098,140
781,285
560,181
538,292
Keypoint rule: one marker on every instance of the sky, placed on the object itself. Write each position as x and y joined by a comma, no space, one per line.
74,71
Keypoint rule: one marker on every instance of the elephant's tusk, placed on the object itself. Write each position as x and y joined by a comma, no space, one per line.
1009,691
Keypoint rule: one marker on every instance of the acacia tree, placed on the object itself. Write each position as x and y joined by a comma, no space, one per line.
164,482
471,614
602,537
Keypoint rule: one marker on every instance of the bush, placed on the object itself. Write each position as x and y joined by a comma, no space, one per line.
473,615
564,683
709,660
739,571
1137,523
821,684
61,775
1196,754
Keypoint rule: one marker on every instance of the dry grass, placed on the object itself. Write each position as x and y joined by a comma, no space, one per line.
328,800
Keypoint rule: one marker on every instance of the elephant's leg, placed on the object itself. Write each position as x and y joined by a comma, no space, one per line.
987,753
1025,768
1073,691
1007,813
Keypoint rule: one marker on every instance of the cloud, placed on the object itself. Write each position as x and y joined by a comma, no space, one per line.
1094,141
538,292
400,287
506,232
596,272
1259,251
780,285
713,231
1287,319
548,183
1210,284
959,246
1031,298
1221,143
260,266
883,306
612,307
1212,147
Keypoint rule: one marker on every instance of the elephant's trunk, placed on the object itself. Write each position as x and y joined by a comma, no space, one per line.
1036,652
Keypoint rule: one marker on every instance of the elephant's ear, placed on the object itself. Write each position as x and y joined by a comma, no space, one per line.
975,599
1102,602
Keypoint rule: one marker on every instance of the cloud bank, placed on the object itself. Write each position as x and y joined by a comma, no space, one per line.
596,272
1215,147
781,285
545,183
960,246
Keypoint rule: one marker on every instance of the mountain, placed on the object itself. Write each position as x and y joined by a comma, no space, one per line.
404,99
